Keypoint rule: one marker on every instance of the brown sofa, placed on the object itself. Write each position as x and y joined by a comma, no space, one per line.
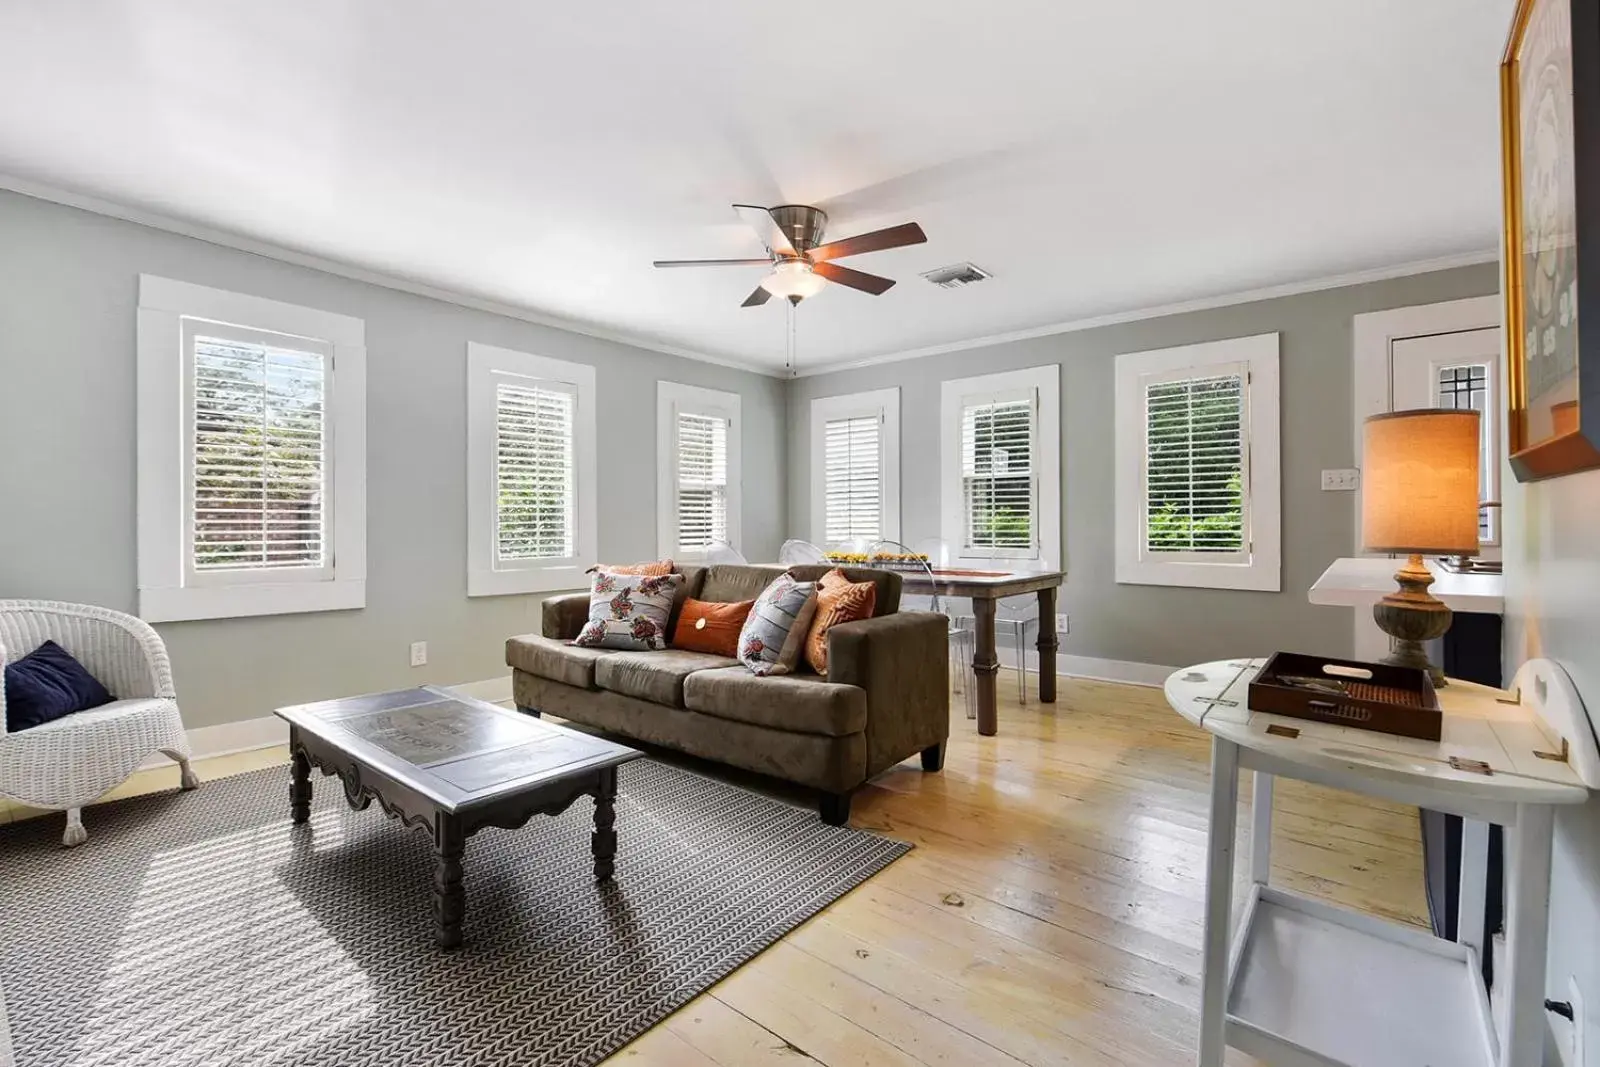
886,696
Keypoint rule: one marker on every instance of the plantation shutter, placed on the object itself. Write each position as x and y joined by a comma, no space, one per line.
1195,464
1000,493
853,478
259,454
535,480
702,478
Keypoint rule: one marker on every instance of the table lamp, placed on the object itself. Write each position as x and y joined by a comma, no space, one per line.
1419,495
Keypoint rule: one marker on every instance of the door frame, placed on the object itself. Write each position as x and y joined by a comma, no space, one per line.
1372,357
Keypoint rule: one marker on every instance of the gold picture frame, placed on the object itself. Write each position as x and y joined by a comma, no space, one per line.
1550,150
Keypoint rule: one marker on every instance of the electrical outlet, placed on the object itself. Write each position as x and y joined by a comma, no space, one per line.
1341,481
1575,996
419,653
1063,624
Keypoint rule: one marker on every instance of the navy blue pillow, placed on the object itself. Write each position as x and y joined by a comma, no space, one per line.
46,684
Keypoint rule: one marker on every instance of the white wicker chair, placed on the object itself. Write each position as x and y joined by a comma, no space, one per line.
65,764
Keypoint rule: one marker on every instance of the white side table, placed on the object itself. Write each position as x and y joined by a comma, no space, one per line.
1307,984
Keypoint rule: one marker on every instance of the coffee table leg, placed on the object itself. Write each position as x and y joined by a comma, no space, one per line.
603,842
300,787
449,901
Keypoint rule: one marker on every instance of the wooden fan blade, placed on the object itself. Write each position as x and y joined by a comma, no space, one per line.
876,241
713,263
760,220
757,298
855,279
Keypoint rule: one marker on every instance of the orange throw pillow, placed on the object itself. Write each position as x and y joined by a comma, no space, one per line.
655,569
838,600
704,626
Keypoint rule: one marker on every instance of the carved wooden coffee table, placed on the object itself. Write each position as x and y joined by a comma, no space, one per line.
452,766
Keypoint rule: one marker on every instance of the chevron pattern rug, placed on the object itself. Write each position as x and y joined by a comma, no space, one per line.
199,930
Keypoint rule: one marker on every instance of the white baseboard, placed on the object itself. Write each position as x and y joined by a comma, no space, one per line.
247,735
1096,669
494,690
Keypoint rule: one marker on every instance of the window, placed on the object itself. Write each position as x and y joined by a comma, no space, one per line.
1000,495
251,455
1473,386
1001,463
256,488
531,521
855,467
535,471
698,472
1197,465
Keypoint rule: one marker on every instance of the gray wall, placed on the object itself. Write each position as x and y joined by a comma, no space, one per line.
68,291
1552,554
1152,624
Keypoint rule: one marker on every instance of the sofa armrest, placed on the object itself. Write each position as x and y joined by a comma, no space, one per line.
563,616
903,662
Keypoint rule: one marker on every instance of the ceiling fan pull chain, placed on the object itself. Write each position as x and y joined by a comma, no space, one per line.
788,360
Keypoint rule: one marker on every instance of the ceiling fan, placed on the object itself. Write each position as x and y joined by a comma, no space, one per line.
801,264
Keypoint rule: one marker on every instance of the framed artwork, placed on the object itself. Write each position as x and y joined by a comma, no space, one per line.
1550,150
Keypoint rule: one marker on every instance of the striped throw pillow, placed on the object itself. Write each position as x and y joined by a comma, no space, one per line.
775,631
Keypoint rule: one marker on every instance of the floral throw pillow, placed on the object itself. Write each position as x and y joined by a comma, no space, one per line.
775,630
629,611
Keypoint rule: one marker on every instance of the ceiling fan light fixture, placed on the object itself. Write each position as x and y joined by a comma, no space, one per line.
793,278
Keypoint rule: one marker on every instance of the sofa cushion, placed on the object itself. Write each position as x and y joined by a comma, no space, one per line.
654,676
551,658
730,583
798,703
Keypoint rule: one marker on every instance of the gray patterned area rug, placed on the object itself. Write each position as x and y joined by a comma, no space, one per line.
202,930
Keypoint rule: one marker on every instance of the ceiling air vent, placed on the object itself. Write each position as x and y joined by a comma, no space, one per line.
956,275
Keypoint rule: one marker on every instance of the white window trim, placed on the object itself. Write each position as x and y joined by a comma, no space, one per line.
672,398
487,365
161,463
885,404
1046,383
1263,571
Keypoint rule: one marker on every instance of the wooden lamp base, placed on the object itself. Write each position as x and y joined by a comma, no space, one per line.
1411,616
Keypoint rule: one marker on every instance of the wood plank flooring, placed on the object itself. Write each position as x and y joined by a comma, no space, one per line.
1050,913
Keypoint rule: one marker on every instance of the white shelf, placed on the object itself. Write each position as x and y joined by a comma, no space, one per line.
1313,985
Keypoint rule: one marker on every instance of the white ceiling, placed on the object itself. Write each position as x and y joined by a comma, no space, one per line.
1096,157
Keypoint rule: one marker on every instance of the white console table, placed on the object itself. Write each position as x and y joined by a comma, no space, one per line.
1362,581
1307,984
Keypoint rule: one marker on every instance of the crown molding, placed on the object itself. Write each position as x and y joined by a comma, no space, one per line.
1246,296
342,269
404,284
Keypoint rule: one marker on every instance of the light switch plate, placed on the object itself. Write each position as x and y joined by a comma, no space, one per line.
419,653
1340,481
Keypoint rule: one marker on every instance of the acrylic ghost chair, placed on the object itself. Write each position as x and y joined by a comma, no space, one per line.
963,641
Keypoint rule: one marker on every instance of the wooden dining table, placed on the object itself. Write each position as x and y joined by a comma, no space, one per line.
984,589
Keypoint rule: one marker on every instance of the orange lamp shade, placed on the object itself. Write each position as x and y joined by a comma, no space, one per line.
1419,490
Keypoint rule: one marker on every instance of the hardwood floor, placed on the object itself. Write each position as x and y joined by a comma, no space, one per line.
1050,913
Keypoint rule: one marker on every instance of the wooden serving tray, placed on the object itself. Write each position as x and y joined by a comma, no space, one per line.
1343,692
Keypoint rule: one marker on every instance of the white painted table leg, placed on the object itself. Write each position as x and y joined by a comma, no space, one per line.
1527,933
1474,898
1261,828
1219,899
